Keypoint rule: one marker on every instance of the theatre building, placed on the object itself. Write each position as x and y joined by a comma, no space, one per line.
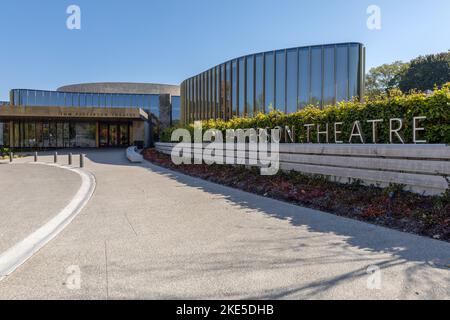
123,114
87,115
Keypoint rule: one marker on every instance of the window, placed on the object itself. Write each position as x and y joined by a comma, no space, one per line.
280,82
154,105
241,109
222,92
83,100
36,98
187,113
208,94
291,85
202,96
304,77
316,76
218,101
328,76
16,97
354,70
108,101
53,99
228,91
214,93
270,82
342,73
61,99
234,89
249,105
195,114
176,109
259,84
89,100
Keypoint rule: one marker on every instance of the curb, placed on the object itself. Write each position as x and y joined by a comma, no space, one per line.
14,257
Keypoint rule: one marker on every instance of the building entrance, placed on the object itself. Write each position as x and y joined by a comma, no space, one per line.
113,135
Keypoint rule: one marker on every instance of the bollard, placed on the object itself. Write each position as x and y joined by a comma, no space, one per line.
55,157
35,157
10,157
81,160
70,159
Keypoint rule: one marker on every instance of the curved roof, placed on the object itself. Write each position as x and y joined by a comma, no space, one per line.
122,87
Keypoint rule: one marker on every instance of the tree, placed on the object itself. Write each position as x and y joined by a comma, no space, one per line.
381,79
426,72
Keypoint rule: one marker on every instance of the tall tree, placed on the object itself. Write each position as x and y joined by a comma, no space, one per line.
381,79
426,72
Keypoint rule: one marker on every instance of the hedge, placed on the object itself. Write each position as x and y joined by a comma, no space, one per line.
434,106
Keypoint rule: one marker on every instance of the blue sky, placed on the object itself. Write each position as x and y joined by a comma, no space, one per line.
167,41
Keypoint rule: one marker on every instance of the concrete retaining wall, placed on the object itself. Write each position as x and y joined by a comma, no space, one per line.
422,169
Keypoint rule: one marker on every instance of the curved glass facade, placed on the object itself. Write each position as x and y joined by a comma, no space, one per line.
286,80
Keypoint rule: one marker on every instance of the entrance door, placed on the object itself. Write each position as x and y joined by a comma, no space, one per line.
103,134
114,135
124,135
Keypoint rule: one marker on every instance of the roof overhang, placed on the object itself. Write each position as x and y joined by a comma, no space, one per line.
73,113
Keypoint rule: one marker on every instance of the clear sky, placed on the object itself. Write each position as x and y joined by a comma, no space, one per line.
166,41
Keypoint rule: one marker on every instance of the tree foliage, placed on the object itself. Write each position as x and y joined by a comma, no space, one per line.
381,79
426,72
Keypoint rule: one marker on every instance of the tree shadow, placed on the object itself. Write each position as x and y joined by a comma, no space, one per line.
357,234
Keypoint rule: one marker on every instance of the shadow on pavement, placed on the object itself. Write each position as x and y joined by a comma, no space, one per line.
358,234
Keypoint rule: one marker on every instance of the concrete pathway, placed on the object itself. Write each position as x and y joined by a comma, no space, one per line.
31,195
149,233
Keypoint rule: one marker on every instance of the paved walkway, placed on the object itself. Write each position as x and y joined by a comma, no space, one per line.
31,195
149,233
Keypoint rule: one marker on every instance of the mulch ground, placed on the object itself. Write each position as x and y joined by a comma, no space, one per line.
405,211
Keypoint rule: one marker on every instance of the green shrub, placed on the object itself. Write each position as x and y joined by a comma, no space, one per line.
4,151
435,107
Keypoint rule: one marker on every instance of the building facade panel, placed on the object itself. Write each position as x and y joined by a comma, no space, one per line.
286,80
108,117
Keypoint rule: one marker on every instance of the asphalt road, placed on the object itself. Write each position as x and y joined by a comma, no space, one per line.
149,233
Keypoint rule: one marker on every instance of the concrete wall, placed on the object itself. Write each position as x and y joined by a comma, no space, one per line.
122,87
421,168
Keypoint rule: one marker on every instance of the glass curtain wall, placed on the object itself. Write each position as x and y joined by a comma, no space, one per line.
4,134
52,134
286,80
26,97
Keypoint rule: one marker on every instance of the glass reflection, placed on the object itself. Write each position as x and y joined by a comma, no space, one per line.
354,70
234,89
270,82
241,109
316,76
228,91
304,78
286,79
291,85
280,81
342,73
250,87
259,85
328,76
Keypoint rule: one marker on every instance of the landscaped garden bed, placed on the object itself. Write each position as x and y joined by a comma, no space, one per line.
391,207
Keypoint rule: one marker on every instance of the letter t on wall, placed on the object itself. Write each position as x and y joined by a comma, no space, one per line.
375,129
